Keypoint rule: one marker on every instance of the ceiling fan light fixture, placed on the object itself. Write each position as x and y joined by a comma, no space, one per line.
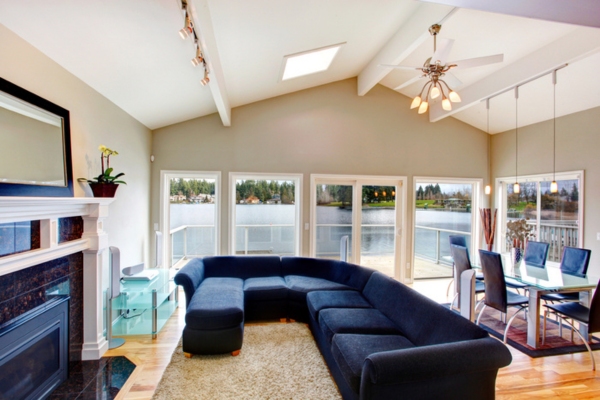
416,102
423,107
446,105
435,92
454,97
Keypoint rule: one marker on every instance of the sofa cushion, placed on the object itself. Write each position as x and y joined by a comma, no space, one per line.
266,288
218,303
323,299
355,320
242,266
350,352
299,286
422,320
345,273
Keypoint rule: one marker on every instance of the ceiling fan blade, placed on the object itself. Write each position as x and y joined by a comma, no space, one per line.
408,82
399,67
451,80
478,61
443,50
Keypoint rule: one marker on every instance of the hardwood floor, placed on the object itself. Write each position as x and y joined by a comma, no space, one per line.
559,377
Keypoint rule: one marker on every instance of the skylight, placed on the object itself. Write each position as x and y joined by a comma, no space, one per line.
309,62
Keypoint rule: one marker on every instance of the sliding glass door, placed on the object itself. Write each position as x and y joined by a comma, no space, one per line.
366,211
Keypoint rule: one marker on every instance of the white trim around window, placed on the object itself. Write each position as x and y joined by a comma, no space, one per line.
296,178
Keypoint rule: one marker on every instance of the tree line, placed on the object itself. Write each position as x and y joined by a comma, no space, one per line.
327,194
191,187
265,190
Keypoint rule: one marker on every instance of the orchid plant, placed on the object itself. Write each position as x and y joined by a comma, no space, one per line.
105,176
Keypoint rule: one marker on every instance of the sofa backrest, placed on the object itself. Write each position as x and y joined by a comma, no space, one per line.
420,319
336,271
242,266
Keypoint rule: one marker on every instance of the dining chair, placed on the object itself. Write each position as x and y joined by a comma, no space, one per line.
462,263
458,240
574,261
580,313
496,295
536,253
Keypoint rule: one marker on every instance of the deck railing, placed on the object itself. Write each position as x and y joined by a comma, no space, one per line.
558,234
440,254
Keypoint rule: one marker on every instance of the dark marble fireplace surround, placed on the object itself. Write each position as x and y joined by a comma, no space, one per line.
23,290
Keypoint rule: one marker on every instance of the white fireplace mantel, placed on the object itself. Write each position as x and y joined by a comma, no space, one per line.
93,243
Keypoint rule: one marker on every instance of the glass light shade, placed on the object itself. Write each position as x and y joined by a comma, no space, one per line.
423,107
435,92
416,102
454,97
516,188
488,189
554,187
446,104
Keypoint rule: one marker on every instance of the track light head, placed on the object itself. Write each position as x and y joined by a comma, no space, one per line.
206,79
187,29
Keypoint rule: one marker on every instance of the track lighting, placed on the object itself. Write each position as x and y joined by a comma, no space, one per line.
206,79
187,29
199,59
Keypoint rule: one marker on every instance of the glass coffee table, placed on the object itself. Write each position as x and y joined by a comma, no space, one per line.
146,306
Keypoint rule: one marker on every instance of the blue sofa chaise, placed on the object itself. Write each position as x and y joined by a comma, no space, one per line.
379,338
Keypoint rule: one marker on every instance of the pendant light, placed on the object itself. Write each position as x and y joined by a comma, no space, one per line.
516,187
554,185
488,187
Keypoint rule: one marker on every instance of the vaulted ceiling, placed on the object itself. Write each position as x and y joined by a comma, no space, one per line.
130,52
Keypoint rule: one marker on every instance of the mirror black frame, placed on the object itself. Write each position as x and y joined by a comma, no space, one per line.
18,189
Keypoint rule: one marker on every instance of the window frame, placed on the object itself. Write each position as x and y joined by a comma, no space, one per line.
501,201
234,176
164,214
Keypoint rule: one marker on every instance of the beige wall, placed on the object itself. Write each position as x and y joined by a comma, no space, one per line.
577,148
325,130
94,121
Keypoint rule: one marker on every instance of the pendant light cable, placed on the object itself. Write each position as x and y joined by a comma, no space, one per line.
554,185
516,188
488,187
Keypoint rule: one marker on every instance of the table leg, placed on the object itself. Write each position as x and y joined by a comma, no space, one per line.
584,299
533,318
154,314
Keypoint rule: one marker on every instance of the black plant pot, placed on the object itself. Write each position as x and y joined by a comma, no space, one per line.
104,189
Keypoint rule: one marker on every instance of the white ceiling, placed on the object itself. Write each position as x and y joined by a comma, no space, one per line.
130,52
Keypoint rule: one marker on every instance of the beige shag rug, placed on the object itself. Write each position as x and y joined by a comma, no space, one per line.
278,361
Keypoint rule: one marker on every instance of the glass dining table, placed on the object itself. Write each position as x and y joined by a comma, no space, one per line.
541,280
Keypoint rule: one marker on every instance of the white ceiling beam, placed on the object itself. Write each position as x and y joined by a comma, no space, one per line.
204,28
410,36
576,12
574,46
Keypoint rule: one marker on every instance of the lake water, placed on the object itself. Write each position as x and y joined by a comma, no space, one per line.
280,240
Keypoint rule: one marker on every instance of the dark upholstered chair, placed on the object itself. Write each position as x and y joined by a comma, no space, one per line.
496,295
582,314
459,240
462,263
536,253
574,262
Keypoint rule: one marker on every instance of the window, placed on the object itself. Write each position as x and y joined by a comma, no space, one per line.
555,218
265,214
443,207
373,228
191,213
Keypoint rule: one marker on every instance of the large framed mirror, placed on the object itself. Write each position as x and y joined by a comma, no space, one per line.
35,150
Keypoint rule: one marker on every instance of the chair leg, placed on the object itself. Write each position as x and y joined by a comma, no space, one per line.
449,286
510,322
453,300
544,328
481,313
584,342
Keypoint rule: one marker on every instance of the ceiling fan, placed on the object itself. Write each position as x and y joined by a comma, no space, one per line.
436,67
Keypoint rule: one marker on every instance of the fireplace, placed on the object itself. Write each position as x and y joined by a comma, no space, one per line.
34,351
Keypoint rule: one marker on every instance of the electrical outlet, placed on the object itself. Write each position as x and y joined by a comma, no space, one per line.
598,236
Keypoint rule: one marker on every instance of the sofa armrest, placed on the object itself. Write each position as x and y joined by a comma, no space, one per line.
432,363
190,277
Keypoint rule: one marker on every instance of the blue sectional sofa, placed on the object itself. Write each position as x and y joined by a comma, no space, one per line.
379,338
